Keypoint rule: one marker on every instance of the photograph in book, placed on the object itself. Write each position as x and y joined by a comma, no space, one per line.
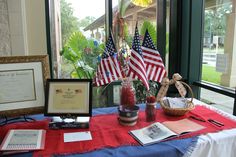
158,132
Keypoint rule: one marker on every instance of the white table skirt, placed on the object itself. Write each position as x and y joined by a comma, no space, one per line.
220,144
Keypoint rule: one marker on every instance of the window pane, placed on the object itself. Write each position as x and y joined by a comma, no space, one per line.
167,34
219,40
82,37
78,35
124,22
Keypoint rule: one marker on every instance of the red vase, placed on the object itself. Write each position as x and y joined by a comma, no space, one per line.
150,112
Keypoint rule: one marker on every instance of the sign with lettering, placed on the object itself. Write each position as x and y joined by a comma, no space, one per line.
222,63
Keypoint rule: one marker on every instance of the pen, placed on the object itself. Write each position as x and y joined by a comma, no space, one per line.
196,118
215,122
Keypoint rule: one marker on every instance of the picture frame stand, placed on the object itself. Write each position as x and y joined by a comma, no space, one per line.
64,122
70,100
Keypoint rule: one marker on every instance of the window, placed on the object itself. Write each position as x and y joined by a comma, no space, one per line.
219,55
126,21
77,30
78,38
198,53
218,40
82,37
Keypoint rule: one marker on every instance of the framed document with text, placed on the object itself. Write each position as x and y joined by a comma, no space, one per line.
68,97
23,82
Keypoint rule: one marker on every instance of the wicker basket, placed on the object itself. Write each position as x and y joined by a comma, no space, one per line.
179,111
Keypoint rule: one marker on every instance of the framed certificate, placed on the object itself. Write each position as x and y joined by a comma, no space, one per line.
68,97
23,82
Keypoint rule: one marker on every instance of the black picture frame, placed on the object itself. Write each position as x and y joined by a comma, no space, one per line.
68,97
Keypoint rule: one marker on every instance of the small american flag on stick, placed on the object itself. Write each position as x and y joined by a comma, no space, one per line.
152,59
109,68
136,64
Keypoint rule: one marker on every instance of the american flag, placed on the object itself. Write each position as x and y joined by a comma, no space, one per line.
152,59
136,64
109,68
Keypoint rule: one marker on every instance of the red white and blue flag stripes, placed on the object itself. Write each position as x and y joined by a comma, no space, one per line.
155,68
136,64
109,68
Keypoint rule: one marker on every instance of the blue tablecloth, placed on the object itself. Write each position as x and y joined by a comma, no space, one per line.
173,148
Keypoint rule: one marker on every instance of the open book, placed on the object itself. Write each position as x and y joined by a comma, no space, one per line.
157,132
23,140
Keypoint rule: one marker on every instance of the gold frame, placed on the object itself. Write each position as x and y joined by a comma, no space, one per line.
17,110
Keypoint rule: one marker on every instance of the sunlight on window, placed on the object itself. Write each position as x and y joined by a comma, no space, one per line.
218,60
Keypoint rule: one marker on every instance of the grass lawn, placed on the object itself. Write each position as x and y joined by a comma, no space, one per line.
210,74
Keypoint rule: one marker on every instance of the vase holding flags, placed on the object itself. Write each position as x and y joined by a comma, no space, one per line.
128,111
136,70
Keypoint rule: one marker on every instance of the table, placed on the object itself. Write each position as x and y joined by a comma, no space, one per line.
209,145
221,144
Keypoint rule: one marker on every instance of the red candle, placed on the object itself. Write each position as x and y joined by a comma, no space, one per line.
150,109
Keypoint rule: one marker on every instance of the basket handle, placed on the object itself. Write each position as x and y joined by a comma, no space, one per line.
189,88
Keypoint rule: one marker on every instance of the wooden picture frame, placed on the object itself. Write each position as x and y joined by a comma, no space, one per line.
68,97
23,83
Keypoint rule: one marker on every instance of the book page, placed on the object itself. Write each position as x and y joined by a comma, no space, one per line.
23,140
152,133
183,126
176,102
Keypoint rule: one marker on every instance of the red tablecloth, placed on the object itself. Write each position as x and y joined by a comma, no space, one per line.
107,132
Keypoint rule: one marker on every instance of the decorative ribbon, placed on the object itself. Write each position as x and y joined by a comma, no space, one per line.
165,85
176,80
163,90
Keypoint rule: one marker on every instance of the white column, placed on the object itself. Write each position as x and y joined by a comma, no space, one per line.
18,35
55,36
36,27
229,79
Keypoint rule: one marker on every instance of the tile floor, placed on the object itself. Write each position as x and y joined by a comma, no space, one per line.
217,100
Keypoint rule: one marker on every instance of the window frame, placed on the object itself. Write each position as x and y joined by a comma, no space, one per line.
48,35
191,23
186,30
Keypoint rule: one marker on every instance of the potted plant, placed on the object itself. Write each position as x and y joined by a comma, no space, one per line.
128,111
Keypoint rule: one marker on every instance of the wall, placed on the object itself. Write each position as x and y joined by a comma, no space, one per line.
22,27
16,22
5,43
36,27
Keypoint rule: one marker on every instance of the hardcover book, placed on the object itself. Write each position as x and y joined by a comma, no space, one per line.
158,132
